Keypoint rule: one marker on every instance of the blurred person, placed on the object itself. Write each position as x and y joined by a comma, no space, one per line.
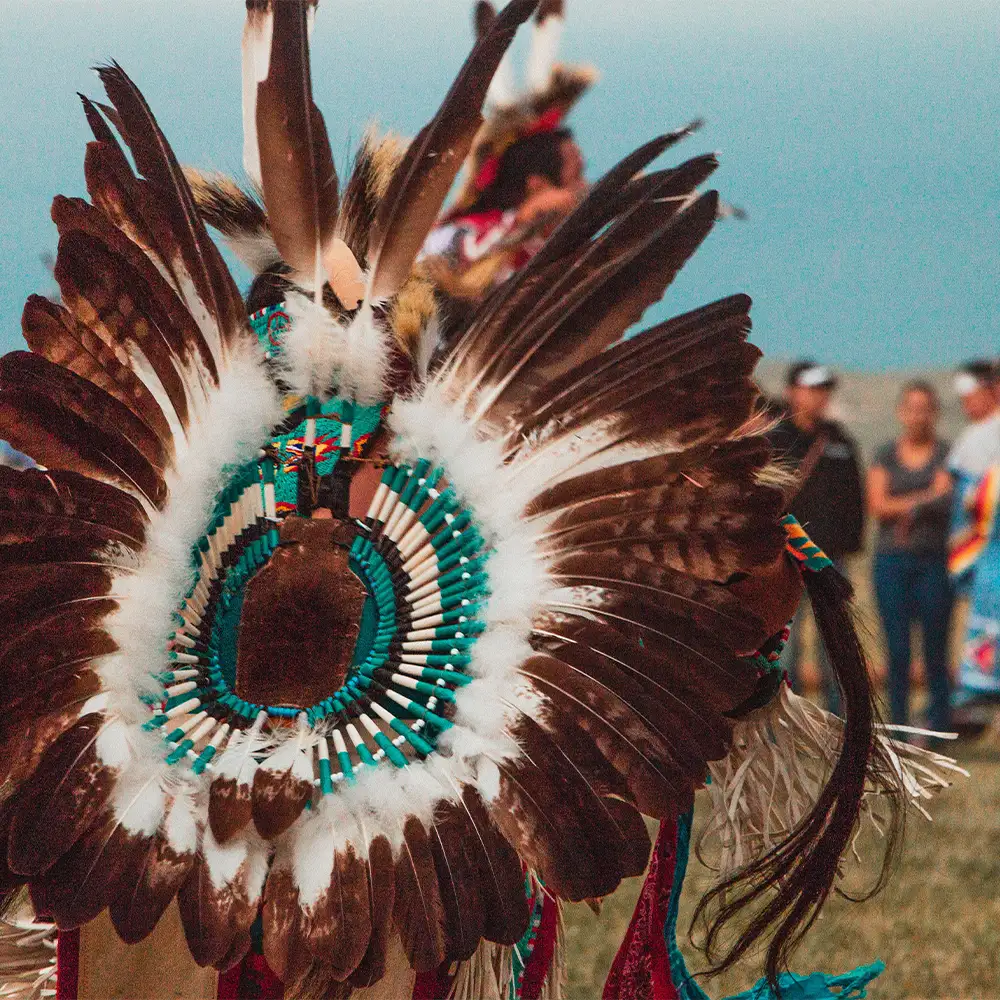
829,499
524,172
909,493
974,556
977,447
538,181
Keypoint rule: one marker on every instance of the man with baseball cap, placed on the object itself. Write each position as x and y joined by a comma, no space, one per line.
977,448
829,497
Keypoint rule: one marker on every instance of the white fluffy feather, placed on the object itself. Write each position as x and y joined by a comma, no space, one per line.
228,428
323,356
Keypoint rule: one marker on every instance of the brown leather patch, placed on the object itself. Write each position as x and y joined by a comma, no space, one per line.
301,617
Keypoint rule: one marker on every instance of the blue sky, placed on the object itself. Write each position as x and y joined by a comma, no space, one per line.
860,136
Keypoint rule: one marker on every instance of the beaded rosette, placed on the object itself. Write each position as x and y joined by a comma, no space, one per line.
422,562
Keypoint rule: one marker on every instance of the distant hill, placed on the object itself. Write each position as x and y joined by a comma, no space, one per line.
866,402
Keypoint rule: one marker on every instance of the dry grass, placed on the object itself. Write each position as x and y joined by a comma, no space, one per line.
936,926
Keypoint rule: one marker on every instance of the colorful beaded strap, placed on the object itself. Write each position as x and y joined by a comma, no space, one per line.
802,547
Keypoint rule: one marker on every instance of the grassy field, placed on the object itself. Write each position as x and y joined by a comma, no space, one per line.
936,925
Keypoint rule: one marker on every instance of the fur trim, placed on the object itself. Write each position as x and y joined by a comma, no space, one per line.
228,430
413,321
323,356
237,214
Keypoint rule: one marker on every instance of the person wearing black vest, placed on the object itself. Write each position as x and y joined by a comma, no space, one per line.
829,498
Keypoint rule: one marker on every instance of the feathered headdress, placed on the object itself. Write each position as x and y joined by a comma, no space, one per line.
550,90
502,620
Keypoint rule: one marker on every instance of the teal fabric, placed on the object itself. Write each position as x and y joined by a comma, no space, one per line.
818,986
684,982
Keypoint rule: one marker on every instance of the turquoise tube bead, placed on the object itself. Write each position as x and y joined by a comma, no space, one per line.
390,751
344,759
203,759
414,739
325,777
180,751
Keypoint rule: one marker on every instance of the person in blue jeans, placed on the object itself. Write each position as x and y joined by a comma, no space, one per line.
909,494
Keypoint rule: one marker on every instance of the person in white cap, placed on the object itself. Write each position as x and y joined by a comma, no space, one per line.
978,446
829,500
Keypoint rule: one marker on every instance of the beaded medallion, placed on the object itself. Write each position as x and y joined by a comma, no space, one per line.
418,563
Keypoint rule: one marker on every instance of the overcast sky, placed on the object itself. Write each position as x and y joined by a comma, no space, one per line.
860,136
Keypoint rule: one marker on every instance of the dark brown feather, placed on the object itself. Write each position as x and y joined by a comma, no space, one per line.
67,494
88,876
75,215
32,593
27,668
110,299
63,421
712,608
675,657
602,204
417,909
500,875
229,809
60,802
627,269
554,819
299,179
422,181
214,916
380,873
27,372
611,671
464,917
503,339
152,879
337,928
483,16
684,346
277,800
51,332
156,162
284,947
636,753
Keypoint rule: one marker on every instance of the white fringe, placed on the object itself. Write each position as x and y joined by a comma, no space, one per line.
780,762
27,957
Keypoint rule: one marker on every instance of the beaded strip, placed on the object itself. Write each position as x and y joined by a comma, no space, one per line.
524,948
802,547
